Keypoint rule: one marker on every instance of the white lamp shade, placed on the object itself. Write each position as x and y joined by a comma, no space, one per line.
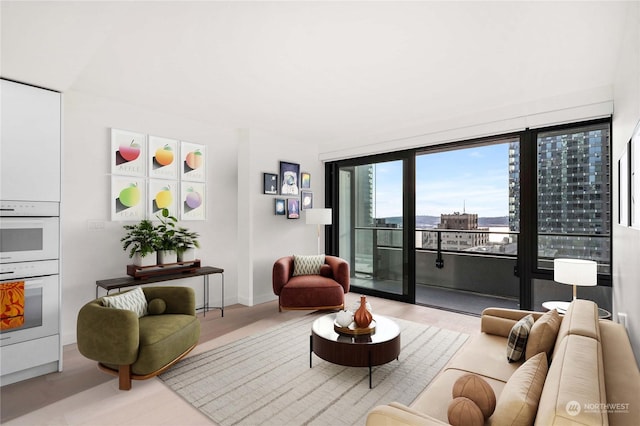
318,216
575,271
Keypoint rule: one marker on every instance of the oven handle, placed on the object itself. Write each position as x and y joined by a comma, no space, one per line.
28,282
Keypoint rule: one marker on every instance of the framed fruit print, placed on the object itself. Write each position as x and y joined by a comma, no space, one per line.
162,158
193,162
128,198
163,194
128,153
192,201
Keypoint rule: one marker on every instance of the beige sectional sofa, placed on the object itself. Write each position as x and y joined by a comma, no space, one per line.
592,378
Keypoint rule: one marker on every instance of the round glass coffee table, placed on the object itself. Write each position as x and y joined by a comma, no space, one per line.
364,350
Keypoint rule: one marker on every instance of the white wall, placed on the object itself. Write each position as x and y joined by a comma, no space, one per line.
268,236
89,254
241,233
626,241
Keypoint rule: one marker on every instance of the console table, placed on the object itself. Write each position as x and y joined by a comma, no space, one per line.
204,271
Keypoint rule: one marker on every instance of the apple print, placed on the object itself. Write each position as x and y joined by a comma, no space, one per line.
164,155
193,199
194,159
164,198
131,152
130,196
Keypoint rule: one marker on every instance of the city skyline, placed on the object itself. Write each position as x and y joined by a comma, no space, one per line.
475,180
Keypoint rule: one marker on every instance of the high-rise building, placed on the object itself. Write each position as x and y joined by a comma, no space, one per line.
573,192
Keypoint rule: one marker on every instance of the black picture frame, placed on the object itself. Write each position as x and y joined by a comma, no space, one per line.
305,180
270,183
289,178
293,208
306,200
280,207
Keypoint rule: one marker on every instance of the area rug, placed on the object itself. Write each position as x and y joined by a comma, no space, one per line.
266,380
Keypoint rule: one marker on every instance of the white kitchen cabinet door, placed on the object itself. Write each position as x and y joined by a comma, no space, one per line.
30,143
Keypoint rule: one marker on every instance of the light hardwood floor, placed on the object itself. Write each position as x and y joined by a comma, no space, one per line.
82,395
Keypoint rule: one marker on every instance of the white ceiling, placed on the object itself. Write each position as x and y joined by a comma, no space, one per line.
314,71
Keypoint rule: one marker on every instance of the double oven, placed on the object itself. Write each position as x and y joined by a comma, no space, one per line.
29,254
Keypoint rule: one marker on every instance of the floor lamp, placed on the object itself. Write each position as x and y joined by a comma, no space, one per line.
576,272
318,217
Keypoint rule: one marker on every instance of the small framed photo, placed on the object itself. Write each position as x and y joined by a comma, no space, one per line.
128,153
289,178
270,183
306,200
305,180
281,208
293,208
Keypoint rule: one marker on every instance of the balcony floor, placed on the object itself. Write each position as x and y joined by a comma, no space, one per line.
461,301
442,298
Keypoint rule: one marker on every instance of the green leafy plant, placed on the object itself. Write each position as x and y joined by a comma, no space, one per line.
186,239
167,231
142,238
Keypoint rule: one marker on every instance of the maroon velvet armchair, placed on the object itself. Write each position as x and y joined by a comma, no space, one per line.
313,292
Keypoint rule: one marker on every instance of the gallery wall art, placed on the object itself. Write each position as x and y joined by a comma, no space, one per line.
287,183
289,178
150,173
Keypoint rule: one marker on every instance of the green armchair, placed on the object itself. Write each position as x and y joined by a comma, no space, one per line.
139,348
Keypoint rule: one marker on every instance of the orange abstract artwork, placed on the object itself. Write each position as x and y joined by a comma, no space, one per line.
11,305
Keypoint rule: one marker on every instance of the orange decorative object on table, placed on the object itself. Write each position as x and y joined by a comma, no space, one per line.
362,316
11,305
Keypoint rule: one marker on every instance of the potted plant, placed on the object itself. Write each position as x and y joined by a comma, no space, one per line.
187,244
142,241
167,243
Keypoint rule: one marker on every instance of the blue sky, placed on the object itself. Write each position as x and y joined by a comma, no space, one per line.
475,177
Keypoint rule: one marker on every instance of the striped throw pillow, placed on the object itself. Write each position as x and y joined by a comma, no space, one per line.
517,342
307,265
133,300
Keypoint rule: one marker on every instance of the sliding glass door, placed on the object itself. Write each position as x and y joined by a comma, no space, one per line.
467,225
371,226
479,220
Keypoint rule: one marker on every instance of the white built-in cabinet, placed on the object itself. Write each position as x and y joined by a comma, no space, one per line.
30,171
30,149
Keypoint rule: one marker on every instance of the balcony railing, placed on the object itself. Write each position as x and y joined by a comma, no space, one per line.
480,261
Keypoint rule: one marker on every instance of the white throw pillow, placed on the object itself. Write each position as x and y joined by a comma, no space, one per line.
133,300
307,265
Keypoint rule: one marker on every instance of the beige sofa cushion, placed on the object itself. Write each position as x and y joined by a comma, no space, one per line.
622,377
485,355
499,321
435,399
575,383
542,336
518,402
582,319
